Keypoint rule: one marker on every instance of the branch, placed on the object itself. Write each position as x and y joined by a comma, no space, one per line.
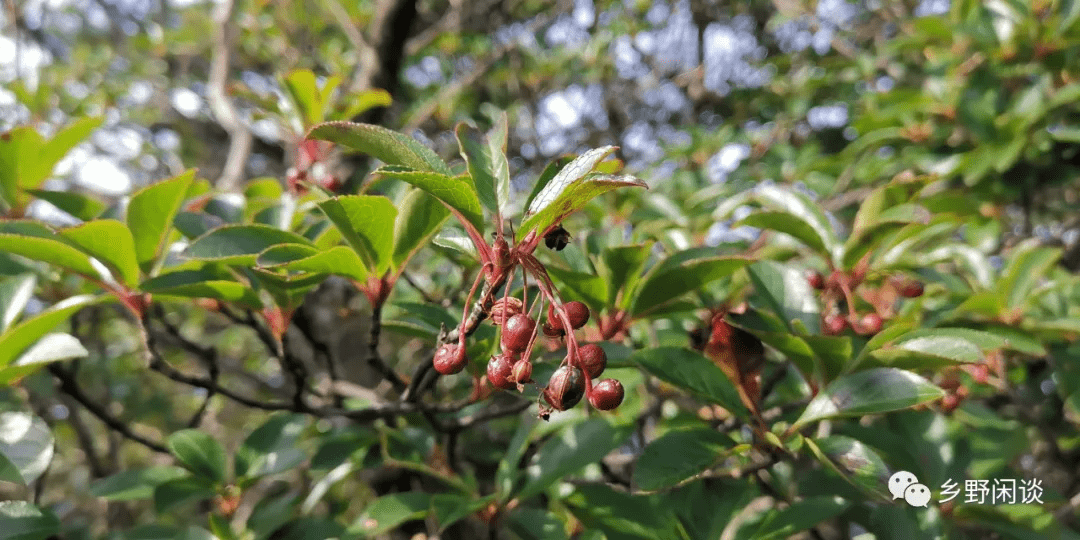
69,386
240,139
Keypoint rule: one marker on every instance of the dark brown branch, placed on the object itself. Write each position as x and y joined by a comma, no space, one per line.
69,386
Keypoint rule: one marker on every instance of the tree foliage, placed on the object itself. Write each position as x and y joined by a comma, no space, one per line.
817,246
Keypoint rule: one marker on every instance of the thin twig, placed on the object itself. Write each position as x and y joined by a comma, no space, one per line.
374,359
240,138
69,386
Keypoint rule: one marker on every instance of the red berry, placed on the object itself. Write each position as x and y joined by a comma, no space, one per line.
870,324
517,332
450,359
834,325
912,289
522,372
950,402
980,372
551,331
606,394
565,388
504,308
816,280
577,312
499,371
592,360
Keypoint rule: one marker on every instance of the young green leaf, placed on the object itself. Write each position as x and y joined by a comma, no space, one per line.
671,279
420,217
787,293
571,451
110,242
800,207
873,391
240,244
691,371
27,442
199,453
81,206
697,449
202,283
20,337
50,251
456,192
366,222
15,292
150,215
20,520
487,163
568,193
50,348
389,146
135,484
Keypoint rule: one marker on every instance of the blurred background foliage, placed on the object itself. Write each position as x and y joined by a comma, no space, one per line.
961,113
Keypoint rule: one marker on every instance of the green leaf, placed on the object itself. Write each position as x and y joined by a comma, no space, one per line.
310,528
873,391
625,266
787,224
366,222
571,190
20,520
853,461
150,214
202,283
691,371
487,163
81,206
367,100
110,242
302,88
15,292
199,452
389,511
928,348
420,217
20,337
48,251
26,442
174,492
786,291
456,192
799,516
391,147
50,348
800,206
570,451
536,524
671,279
1025,268
241,244
588,288
271,448
9,472
56,148
622,516
338,260
697,450
546,176
135,484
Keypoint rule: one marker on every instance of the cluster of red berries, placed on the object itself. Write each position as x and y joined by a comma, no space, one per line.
841,285
512,367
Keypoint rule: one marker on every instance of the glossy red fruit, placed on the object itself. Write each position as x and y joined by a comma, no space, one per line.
450,359
912,289
565,388
834,324
606,394
870,324
517,331
504,308
816,280
522,372
499,372
592,360
577,312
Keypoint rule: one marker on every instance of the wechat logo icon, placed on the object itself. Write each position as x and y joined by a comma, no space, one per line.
904,485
